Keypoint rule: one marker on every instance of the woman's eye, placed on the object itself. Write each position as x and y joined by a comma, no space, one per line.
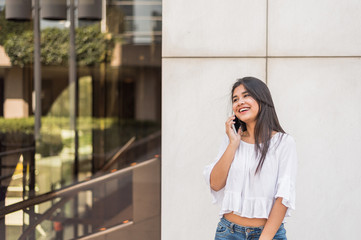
235,100
246,95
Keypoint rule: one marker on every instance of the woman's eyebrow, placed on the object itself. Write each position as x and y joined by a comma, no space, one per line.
241,93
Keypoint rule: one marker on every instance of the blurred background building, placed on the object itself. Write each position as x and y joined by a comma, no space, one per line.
101,178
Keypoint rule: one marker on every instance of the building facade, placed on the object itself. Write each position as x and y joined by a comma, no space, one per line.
308,53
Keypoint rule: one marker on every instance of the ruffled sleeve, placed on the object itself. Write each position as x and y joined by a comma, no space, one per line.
287,170
217,196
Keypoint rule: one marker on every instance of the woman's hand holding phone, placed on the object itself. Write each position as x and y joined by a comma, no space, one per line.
233,135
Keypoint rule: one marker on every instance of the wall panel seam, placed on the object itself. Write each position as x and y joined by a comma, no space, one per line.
266,57
266,80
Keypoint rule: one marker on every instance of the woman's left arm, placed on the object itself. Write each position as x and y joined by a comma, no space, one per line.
274,221
285,188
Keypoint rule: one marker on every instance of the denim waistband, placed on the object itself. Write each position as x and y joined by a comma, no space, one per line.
240,228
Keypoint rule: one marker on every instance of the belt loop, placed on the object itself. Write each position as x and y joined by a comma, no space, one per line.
232,227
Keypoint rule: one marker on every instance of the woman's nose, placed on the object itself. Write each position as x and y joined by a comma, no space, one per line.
240,102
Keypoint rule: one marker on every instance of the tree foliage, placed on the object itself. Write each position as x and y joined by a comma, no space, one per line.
54,46
10,27
92,46
20,49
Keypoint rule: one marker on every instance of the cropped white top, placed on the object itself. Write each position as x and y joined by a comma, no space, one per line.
252,196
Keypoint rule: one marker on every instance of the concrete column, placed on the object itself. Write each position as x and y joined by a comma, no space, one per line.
15,105
145,96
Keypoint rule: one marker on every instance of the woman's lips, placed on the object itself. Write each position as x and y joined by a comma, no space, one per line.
243,110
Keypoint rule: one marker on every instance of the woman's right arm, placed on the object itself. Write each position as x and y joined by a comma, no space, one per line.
219,173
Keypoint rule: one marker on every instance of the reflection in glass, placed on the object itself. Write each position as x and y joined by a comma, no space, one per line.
115,184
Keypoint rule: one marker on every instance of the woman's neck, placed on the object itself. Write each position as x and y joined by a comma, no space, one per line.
250,131
249,134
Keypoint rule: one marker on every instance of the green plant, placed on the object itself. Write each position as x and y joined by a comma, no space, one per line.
11,27
54,124
54,46
50,144
20,48
92,46
25,125
117,131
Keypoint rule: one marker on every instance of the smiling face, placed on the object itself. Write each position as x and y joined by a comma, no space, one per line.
244,105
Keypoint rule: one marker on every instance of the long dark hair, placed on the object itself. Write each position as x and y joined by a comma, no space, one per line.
267,120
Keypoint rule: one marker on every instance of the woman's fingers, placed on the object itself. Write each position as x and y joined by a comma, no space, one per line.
229,122
233,136
231,132
240,131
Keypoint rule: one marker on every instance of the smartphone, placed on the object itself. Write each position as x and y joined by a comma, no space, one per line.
238,124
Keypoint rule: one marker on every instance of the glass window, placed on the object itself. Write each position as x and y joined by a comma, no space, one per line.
102,175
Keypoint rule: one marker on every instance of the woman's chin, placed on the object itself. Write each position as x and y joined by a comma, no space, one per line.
247,121
243,119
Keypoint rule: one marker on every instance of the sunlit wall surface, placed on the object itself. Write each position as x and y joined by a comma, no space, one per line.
309,54
101,178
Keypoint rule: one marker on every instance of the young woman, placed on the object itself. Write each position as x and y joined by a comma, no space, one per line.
253,176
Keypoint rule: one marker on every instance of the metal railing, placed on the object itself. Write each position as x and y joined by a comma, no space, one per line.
71,190
9,153
67,193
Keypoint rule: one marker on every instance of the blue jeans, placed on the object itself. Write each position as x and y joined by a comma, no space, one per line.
227,230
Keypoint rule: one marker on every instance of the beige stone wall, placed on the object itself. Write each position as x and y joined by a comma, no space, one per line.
309,54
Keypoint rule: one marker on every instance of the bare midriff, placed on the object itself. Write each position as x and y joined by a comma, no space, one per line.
245,222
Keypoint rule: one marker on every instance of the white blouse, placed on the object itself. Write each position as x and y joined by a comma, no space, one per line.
252,196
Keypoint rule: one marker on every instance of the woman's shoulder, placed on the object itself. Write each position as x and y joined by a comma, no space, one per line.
285,139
